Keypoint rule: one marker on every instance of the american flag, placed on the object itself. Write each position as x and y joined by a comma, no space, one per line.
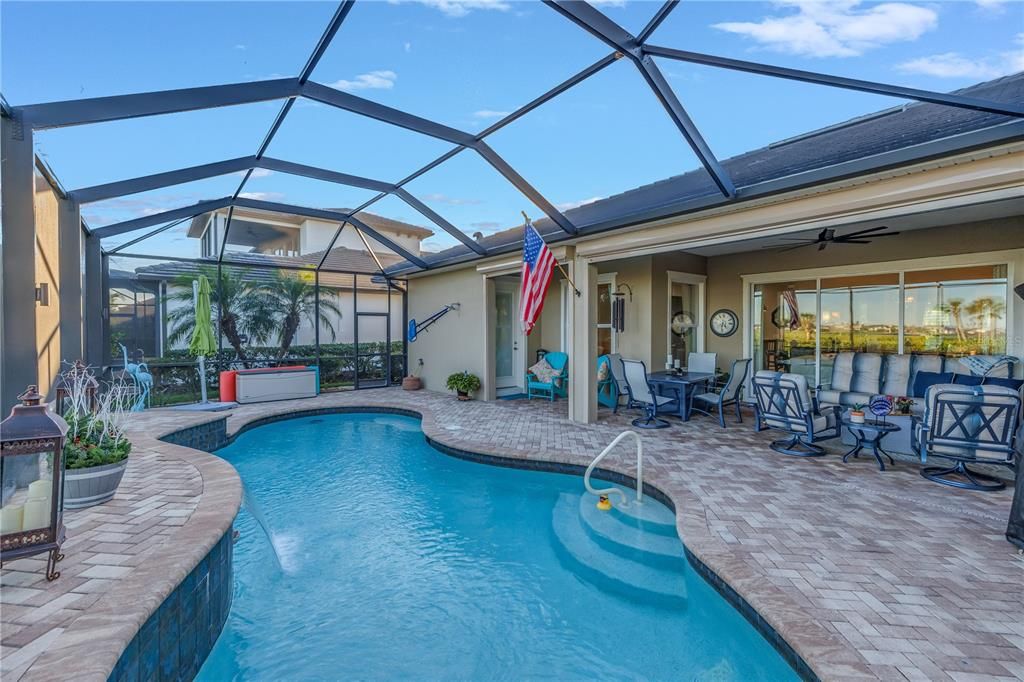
538,266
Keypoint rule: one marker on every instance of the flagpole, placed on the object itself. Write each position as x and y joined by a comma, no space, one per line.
557,264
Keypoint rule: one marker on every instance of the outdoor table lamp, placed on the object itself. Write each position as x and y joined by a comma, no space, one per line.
32,473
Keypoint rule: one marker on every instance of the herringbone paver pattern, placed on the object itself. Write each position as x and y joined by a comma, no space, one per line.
866,574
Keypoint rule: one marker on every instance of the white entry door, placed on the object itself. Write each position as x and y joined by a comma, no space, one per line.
509,342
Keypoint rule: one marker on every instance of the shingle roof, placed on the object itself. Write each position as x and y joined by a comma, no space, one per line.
827,154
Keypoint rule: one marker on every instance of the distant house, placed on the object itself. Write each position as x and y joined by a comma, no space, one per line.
260,243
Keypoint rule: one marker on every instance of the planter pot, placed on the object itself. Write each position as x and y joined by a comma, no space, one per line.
857,417
91,486
412,383
463,395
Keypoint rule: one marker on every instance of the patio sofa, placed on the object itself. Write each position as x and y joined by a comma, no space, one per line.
857,377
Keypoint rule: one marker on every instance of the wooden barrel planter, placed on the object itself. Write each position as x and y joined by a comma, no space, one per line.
92,485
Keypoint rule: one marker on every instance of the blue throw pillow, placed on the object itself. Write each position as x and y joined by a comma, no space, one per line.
925,379
967,380
1015,384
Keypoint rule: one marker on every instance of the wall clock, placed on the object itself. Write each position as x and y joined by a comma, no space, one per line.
724,322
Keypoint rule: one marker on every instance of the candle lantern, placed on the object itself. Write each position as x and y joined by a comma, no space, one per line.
77,384
32,472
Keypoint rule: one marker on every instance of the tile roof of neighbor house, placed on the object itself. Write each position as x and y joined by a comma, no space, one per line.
198,224
339,259
856,147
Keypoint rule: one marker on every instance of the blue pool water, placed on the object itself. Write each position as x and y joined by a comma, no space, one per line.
400,562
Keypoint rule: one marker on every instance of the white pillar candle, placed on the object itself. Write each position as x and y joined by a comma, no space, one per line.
37,513
40,488
10,518
668,360
678,363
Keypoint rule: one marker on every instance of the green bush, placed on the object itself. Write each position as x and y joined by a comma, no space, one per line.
87,447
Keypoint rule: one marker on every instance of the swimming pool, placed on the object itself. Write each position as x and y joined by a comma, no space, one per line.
400,562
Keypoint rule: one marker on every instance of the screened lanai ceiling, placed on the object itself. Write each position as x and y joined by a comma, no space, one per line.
455,116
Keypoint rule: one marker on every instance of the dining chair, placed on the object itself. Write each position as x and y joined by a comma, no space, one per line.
729,394
702,362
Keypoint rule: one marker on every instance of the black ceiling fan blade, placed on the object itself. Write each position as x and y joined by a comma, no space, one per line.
873,236
867,231
852,241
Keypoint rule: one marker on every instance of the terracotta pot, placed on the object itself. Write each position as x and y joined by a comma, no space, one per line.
857,417
412,383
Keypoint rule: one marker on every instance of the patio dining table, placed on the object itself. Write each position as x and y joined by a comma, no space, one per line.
683,385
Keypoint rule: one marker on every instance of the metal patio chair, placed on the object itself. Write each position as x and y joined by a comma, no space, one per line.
783,401
702,362
968,425
643,396
727,395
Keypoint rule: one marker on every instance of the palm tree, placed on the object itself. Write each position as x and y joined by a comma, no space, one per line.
244,311
292,299
986,311
956,310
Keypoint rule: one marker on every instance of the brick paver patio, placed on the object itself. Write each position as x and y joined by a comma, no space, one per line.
866,574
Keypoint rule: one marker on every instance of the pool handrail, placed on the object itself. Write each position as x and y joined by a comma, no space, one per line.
639,469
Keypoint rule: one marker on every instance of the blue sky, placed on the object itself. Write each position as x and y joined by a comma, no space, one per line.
466,64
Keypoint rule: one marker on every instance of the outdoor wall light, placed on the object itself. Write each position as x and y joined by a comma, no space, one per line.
43,294
32,475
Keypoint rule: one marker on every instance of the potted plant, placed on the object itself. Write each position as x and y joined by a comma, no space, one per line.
96,449
857,413
463,383
412,382
903,404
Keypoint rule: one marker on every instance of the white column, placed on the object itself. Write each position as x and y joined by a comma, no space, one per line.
583,344
487,291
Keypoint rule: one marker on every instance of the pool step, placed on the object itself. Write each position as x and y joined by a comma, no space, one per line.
611,571
650,516
617,534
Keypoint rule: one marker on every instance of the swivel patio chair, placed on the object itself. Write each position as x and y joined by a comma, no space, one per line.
643,396
968,425
553,385
784,402
730,394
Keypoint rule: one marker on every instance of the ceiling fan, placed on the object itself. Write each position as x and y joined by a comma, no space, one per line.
828,236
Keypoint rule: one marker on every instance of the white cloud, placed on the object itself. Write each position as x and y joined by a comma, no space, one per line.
991,5
407,46
239,47
569,205
460,8
486,225
256,173
263,196
451,201
836,28
490,113
956,65
374,80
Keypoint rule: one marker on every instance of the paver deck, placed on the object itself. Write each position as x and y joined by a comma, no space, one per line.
866,574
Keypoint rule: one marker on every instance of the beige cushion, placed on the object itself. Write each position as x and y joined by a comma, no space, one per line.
544,372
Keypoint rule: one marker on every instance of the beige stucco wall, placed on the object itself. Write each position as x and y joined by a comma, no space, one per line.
455,342
725,284
47,265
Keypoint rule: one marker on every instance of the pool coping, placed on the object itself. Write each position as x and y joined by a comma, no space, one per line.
91,645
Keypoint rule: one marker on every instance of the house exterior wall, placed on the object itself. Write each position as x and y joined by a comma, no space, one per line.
725,283
456,342
47,266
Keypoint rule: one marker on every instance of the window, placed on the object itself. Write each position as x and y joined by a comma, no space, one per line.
955,311
606,341
859,313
